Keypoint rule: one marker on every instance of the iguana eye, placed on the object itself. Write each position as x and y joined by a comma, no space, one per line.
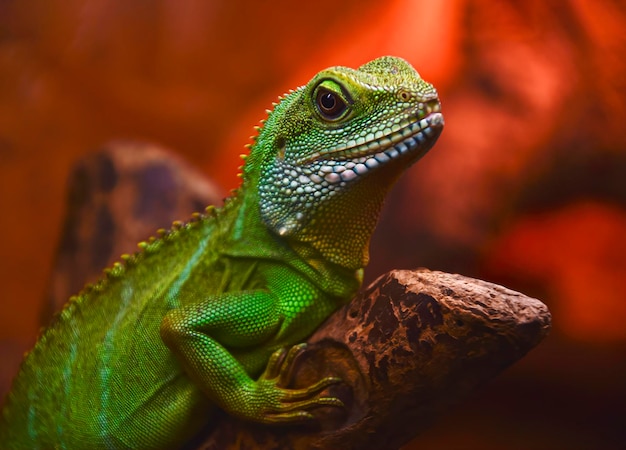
330,105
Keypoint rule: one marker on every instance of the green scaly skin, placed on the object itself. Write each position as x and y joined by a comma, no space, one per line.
198,318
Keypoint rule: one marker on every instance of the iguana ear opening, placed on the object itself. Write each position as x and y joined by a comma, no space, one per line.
279,143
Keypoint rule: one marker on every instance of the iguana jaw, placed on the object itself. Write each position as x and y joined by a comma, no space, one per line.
409,137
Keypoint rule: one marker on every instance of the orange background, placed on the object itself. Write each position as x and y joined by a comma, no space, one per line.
526,186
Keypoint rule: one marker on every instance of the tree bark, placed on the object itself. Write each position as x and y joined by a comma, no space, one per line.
409,346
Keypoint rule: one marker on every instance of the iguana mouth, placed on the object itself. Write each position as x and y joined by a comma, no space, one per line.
375,149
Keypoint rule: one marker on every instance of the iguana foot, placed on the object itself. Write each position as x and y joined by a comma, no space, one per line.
291,405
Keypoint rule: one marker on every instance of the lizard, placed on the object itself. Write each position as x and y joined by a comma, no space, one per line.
212,312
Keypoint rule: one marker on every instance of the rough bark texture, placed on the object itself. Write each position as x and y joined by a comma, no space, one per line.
410,345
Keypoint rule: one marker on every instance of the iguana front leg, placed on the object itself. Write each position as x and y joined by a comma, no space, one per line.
203,336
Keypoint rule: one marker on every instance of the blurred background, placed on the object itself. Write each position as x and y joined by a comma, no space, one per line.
526,187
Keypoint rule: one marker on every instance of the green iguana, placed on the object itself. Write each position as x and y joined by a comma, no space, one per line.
204,316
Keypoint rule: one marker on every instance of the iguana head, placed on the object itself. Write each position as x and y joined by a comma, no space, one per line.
329,152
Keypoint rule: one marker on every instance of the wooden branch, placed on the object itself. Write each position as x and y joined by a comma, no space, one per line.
412,344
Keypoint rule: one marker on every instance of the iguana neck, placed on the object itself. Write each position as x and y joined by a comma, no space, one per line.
324,233
248,236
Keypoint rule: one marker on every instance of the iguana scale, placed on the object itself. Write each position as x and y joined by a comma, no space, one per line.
209,313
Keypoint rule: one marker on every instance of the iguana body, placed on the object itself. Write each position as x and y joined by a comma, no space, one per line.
141,359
